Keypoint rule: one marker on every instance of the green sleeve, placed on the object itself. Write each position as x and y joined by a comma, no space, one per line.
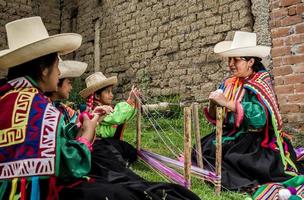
123,112
75,157
254,113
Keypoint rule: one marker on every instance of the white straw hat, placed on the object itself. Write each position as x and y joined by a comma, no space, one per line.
28,39
71,68
96,82
243,44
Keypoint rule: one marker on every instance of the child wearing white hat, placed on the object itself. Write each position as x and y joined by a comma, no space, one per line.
99,92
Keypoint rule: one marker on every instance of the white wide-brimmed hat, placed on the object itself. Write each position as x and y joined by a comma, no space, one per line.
243,44
96,82
71,68
28,39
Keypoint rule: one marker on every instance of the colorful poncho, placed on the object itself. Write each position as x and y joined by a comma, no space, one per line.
260,84
28,125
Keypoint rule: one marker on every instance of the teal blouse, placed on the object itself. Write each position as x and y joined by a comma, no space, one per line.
75,157
254,116
123,112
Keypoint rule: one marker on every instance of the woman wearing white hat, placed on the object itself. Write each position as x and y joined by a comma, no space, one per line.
255,149
36,147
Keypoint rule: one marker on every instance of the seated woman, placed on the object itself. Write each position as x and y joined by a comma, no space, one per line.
99,92
37,148
255,149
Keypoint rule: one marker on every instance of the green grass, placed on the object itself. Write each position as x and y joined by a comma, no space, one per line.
152,142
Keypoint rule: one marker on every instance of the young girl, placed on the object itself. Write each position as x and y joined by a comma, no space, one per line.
111,156
99,92
69,70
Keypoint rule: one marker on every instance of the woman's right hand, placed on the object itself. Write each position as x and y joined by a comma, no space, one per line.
218,98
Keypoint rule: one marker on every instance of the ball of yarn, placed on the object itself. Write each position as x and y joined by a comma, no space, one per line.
294,197
292,190
284,194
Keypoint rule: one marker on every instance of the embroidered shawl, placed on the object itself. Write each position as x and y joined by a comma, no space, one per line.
261,85
28,131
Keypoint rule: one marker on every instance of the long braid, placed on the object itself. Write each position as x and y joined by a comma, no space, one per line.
90,100
86,111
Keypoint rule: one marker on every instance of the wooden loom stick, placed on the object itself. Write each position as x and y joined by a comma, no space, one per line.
218,156
187,146
138,125
196,124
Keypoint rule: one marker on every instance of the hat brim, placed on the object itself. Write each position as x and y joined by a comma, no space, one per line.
93,88
71,68
224,50
61,43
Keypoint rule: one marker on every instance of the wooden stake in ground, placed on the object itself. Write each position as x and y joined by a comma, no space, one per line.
219,132
187,146
138,126
197,134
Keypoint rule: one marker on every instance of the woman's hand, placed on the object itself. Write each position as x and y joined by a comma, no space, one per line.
218,98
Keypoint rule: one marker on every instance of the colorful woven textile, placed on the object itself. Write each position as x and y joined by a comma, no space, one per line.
271,191
261,85
28,125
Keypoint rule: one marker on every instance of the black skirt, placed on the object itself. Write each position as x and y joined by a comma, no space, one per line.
115,181
245,163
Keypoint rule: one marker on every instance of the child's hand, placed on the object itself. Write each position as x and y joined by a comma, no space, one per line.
134,93
102,110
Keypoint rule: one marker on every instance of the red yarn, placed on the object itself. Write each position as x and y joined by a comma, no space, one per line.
23,189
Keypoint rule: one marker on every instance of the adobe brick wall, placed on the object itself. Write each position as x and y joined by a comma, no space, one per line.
166,47
287,30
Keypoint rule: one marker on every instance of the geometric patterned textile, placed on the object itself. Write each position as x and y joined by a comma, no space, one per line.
271,190
261,85
28,128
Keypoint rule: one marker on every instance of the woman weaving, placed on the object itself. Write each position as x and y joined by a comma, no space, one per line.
255,149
